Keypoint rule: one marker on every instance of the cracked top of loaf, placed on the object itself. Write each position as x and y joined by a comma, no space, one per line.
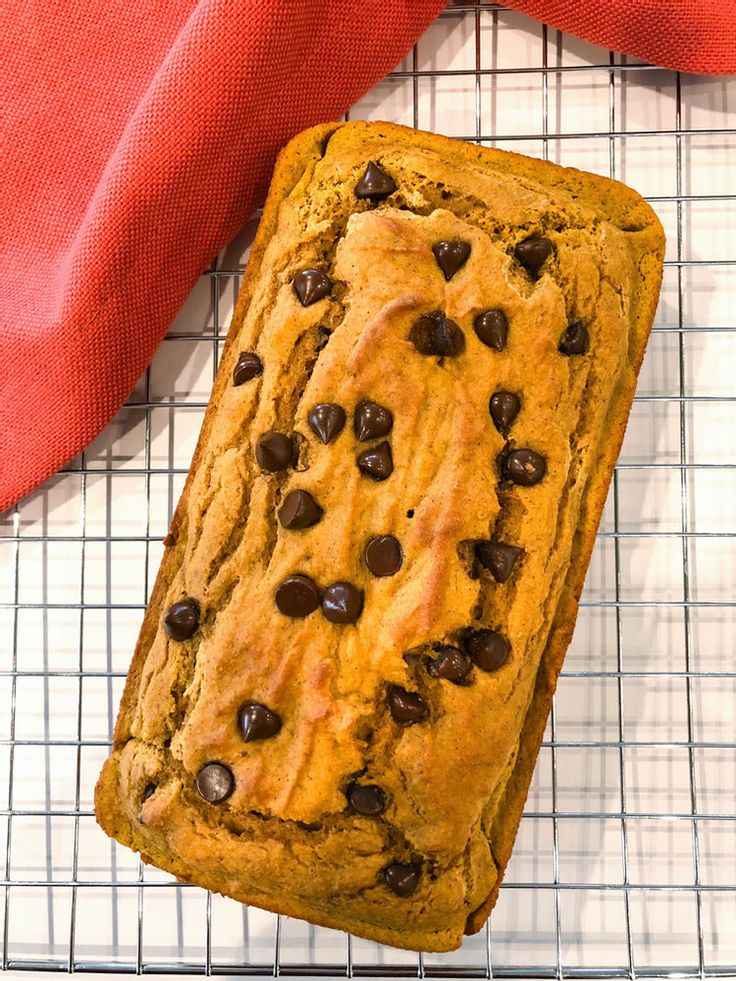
338,694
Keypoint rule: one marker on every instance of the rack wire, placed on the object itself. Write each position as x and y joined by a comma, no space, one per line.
625,865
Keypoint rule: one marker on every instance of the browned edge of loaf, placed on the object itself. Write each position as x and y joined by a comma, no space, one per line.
289,168
563,625
626,209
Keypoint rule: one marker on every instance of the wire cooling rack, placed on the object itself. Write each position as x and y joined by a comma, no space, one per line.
625,865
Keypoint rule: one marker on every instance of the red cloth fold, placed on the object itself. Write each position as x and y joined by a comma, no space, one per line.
686,35
135,138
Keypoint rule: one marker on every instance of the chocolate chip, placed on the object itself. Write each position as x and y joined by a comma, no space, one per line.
434,334
148,792
326,420
249,365
257,721
375,184
377,462
533,252
504,408
310,285
383,555
575,339
182,619
402,879
525,467
487,648
215,782
299,510
451,256
297,596
406,707
498,558
274,451
366,799
342,602
371,421
492,328
450,663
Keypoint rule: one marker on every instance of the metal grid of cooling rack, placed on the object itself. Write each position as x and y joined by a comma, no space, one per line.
625,864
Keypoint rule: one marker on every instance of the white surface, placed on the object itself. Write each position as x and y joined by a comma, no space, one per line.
587,888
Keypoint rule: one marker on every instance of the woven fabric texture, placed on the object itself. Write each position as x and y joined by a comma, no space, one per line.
136,139
687,35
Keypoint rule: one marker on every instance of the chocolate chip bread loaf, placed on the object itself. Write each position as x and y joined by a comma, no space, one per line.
346,666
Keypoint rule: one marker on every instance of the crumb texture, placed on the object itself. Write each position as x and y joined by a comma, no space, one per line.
291,834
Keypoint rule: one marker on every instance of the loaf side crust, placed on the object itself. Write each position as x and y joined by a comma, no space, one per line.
186,850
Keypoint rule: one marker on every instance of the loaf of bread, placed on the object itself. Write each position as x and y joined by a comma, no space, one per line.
347,663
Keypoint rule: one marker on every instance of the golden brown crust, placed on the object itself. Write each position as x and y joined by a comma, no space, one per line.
289,167
566,615
610,248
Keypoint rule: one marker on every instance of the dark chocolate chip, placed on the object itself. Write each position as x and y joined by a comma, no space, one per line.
326,420
449,663
383,555
375,184
249,365
525,467
406,707
299,510
297,596
451,256
492,328
434,334
274,451
149,791
311,285
366,799
533,252
342,602
402,879
258,721
504,408
215,782
487,648
498,558
377,462
371,421
182,619
575,339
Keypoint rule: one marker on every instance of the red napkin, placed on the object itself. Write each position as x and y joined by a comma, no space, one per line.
135,138
687,35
